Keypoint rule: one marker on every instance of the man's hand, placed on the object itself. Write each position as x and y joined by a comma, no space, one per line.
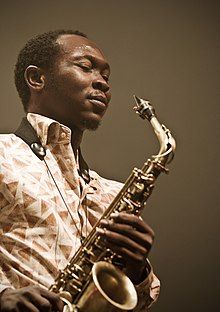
30,299
131,237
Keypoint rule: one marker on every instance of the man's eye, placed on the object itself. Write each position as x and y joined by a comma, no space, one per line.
106,78
86,67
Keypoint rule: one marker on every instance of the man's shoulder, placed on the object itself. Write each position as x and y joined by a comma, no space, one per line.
9,138
10,144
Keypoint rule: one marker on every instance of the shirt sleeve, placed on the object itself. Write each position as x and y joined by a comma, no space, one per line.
148,291
4,283
3,287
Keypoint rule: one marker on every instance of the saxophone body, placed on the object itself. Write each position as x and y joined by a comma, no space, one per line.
90,282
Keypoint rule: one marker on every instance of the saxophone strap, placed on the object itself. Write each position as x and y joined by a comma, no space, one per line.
28,134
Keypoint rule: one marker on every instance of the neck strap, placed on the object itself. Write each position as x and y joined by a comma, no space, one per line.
28,134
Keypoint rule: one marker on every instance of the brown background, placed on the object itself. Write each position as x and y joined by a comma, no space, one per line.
167,51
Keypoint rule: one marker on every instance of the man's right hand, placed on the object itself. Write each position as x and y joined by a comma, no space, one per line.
30,299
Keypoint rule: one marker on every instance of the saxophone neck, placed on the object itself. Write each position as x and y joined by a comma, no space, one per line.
167,143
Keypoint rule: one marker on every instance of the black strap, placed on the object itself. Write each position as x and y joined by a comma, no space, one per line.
83,168
28,134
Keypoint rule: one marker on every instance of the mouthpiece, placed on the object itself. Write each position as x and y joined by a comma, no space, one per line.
143,108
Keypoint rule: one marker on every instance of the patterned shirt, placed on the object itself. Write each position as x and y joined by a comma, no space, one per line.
44,210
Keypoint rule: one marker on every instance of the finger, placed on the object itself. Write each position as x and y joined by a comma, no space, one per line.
143,239
121,240
55,300
25,306
129,255
40,302
40,296
133,220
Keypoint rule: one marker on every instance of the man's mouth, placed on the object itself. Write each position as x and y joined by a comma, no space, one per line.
98,100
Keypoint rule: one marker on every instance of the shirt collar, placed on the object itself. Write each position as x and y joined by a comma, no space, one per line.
48,130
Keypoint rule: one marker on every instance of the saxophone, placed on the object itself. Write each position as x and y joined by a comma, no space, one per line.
90,281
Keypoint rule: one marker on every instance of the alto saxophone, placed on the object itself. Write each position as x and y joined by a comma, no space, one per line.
90,282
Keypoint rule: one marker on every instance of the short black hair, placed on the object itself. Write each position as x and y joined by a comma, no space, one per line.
40,51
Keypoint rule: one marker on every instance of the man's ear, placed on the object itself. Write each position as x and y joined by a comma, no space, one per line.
34,77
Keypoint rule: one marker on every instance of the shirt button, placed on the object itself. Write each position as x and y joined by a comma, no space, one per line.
68,161
63,135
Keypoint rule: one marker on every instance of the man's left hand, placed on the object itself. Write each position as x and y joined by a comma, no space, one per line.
131,237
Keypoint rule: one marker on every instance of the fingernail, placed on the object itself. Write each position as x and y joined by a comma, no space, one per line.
100,231
104,222
114,214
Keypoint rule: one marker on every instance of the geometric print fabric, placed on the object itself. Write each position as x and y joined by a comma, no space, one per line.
38,236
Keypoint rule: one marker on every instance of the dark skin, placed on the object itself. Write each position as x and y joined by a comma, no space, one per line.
31,298
77,95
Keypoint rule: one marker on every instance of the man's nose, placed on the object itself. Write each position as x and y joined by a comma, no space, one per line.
100,83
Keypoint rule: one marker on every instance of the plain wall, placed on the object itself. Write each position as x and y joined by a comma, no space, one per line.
168,52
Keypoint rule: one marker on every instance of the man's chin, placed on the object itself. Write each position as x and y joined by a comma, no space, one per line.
91,124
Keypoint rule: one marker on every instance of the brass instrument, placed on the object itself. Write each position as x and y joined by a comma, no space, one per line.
90,282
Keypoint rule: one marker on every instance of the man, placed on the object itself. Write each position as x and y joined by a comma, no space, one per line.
49,199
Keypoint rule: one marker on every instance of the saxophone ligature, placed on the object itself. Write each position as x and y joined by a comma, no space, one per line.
90,282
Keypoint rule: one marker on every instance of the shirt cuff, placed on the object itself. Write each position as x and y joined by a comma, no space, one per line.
148,290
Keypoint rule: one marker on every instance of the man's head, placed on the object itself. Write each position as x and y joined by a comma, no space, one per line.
63,75
40,51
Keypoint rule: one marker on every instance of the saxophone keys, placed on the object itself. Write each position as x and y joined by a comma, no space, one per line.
138,188
88,252
66,295
149,178
77,268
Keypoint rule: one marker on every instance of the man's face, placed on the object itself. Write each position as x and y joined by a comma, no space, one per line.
77,90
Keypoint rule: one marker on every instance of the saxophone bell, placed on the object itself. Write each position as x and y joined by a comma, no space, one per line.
109,290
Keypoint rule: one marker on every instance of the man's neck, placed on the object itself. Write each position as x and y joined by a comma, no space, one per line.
76,139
